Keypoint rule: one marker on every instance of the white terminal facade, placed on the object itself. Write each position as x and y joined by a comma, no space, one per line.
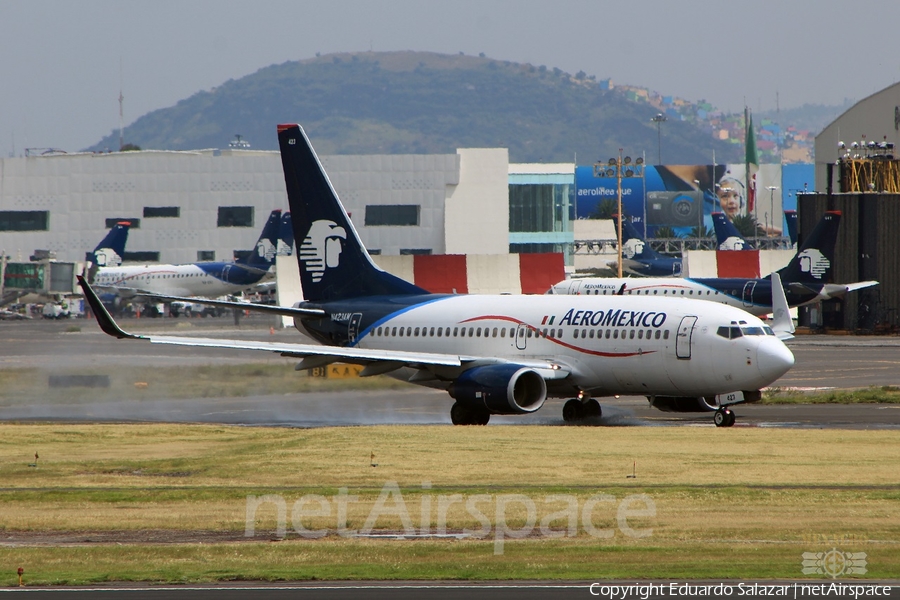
205,205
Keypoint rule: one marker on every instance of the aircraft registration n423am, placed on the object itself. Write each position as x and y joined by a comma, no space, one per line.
498,354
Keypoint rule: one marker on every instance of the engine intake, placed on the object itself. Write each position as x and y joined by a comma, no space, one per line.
504,389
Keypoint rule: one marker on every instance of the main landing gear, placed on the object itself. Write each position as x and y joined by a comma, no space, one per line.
578,410
462,414
723,417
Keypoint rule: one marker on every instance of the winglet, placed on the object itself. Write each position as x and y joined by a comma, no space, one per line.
782,324
104,319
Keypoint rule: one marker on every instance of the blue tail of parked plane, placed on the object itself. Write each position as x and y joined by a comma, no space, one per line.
813,262
286,236
727,235
638,258
111,249
790,217
334,264
263,256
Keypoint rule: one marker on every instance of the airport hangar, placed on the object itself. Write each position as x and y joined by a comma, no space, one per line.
863,182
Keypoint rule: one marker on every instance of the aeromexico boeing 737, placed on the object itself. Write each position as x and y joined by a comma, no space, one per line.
497,354
805,279
196,279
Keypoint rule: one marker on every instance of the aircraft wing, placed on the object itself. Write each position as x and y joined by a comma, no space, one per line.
379,361
287,311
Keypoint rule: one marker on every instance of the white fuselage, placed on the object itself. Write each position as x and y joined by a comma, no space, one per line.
170,280
612,345
663,287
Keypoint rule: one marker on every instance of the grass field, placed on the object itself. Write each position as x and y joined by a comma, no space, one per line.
725,502
26,385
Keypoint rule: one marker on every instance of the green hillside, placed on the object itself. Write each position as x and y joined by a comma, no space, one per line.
418,102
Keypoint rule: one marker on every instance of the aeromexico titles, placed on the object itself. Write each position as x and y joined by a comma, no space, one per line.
196,279
805,279
498,354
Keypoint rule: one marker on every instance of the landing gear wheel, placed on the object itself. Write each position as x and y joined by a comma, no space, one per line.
460,414
592,408
724,418
573,410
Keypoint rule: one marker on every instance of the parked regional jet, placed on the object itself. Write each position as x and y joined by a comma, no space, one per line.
497,354
727,235
196,279
804,279
638,258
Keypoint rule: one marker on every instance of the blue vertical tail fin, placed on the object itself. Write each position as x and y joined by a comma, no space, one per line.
334,264
286,235
263,255
727,235
813,262
111,249
633,245
790,217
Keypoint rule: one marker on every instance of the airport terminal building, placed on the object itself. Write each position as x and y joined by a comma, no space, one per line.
207,205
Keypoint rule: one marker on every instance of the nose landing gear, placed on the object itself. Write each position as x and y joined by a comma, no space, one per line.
723,417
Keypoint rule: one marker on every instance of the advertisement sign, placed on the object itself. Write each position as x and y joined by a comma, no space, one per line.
682,197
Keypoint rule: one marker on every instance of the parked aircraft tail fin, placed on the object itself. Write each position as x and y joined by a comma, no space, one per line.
263,255
815,258
727,235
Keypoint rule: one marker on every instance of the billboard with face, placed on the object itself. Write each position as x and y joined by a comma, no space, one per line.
681,197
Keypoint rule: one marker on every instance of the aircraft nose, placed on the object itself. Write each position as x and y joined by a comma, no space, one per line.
774,359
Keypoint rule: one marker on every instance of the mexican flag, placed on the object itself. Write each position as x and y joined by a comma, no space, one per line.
751,162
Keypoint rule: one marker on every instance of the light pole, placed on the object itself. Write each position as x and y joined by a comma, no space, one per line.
620,168
659,118
772,189
700,231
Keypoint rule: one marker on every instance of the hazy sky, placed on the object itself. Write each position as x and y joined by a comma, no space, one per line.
64,61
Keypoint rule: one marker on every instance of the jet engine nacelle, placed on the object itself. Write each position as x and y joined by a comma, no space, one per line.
501,389
684,404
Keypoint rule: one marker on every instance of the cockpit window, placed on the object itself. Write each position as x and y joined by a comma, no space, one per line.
729,333
752,330
768,330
